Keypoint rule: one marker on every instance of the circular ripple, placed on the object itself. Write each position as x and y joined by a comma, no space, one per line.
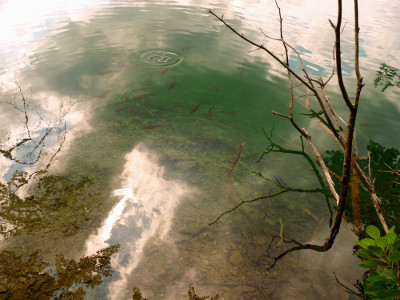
160,58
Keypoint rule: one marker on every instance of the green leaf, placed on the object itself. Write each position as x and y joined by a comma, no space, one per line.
390,294
388,274
394,257
390,237
365,243
391,230
370,264
375,287
364,253
375,250
381,242
373,231
374,278
388,84
396,245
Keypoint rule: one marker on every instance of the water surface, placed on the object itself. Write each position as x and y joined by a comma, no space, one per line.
143,107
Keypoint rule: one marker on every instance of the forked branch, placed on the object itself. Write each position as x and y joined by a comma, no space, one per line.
344,132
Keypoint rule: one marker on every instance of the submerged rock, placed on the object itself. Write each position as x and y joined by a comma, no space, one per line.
236,258
186,164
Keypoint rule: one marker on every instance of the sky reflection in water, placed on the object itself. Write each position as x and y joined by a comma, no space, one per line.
91,49
145,211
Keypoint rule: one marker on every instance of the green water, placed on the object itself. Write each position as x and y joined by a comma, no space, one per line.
140,109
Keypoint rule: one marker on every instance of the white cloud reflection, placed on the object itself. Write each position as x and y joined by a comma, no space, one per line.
51,122
144,211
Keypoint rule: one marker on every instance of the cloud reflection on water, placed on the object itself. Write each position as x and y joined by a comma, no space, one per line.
145,209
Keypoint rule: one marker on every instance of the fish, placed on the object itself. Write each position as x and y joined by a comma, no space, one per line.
107,72
241,71
142,96
209,113
229,113
127,94
122,109
135,66
198,62
117,67
132,108
155,126
364,125
196,107
164,71
172,84
215,88
116,120
103,94
140,90
186,48
177,106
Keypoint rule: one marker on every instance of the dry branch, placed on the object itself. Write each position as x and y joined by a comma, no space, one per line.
343,131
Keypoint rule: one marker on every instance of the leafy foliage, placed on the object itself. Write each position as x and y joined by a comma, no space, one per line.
381,253
387,76
31,278
56,203
137,295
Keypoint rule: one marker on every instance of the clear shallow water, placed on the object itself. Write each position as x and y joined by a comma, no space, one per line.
156,98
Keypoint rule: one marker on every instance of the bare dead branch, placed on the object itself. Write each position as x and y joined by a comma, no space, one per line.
263,48
335,116
357,56
307,83
394,172
371,189
349,290
309,79
270,37
281,115
346,138
338,54
299,246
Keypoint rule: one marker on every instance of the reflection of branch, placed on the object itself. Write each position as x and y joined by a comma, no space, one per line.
361,295
7,153
34,144
273,147
310,85
346,141
25,108
229,174
283,191
319,223
243,202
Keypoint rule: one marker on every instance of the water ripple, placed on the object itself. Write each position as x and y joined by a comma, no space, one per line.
161,58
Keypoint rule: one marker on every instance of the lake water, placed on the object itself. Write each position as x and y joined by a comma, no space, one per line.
138,109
